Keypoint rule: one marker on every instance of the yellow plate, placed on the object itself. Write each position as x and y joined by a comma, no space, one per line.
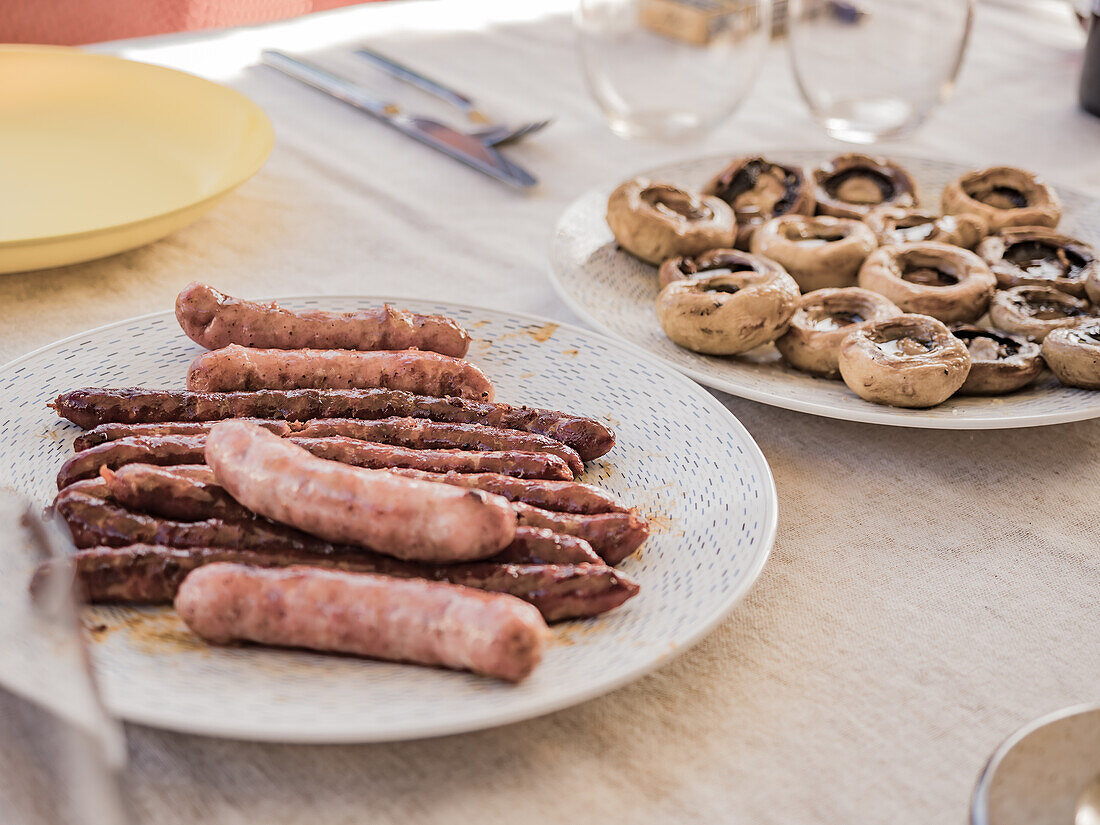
99,154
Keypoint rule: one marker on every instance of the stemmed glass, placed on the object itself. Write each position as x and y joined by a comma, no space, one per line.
669,68
874,69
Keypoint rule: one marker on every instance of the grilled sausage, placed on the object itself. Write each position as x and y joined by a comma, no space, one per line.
427,373
614,536
215,320
196,496
380,456
161,449
402,517
189,449
421,433
563,496
91,407
411,620
113,432
151,574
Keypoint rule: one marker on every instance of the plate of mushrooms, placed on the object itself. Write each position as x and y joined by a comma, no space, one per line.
892,290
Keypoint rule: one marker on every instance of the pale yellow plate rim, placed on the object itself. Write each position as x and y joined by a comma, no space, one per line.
266,141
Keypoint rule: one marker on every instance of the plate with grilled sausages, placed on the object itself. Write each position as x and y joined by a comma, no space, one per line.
903,291
371,519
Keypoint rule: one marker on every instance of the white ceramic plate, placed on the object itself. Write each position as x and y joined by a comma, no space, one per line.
681,458
616,293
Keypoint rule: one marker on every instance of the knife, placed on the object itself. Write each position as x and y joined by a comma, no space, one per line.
451,142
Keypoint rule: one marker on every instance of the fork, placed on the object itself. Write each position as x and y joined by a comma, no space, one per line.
490,133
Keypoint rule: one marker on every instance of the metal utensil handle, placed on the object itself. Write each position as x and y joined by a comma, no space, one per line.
414,78
313,75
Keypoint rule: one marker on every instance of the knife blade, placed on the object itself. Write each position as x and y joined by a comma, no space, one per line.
443,138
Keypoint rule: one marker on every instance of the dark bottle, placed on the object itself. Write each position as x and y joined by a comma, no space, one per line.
1090,73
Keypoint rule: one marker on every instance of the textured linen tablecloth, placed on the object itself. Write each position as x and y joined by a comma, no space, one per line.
928,592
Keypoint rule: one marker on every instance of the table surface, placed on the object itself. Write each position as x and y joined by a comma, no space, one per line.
928,592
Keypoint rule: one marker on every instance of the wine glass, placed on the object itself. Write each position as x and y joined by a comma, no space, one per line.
670,68
875,69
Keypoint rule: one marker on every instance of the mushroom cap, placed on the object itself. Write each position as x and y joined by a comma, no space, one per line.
1003,196
1073,354
851,185
999,361
758,189
714,262
657,221
817,252
1035,311
1092,286
1038,256
728,314
907,361
894,224
825,317
947,282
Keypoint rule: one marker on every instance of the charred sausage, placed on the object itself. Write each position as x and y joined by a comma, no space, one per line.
426,373
402,517
614,536
563,496
113,432
380,456
189,449
214,320
402,620
422,433
161,449
91,407
151,574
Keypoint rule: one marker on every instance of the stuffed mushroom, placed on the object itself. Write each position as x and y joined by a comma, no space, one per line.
1074,355
1003,196
908,224
817,252
657,221
824,319
999,362
1037,256
946,282
759,190
907,361
714,262
850,186
727,314
1036,311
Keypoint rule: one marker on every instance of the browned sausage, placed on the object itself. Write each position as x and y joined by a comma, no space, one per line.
195,496
380,456
402,517
161,449
189,449
113,432
90,407
563,496
427,373
93,522
214,320
422,433
613,535
402,620
151,574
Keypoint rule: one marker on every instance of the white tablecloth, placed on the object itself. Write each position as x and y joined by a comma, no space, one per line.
929,591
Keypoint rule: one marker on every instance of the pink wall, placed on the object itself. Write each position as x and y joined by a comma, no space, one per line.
70,22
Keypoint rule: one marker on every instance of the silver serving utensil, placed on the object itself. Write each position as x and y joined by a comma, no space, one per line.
1047,773
458,145
493,134
94,746
502,135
